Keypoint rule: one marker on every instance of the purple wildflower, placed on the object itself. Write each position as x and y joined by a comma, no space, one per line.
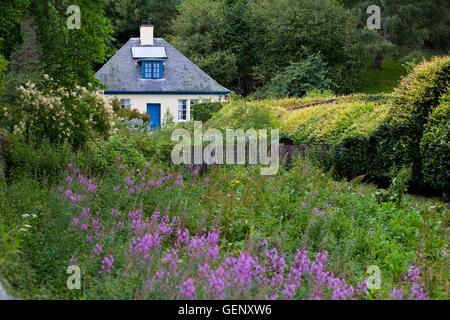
187,290
397,294
97,250
107,264
243,271
85,213
74,221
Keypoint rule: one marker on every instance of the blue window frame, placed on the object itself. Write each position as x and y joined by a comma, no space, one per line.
152,70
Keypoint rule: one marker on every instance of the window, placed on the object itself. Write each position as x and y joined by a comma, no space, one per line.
152,70
194,102
182,110
125,103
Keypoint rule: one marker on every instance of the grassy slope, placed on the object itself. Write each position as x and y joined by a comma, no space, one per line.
383,80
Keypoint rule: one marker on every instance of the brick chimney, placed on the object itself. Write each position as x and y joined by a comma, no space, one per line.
146,29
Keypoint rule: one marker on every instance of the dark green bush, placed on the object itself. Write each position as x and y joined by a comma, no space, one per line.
205,110
435,147
398,138
42,161
133,149
301,77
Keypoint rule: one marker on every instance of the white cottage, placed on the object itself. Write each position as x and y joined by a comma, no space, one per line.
150,75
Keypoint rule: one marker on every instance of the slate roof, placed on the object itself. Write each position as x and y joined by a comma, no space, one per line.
122,73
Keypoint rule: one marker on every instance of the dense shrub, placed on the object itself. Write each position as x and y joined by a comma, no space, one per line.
378,135
205,110
133,148
346,127
435,146
42,160
398,138
301,77
241,114
128,113
58,114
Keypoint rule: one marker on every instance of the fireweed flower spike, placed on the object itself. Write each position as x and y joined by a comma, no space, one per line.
180,265
187,290
107,264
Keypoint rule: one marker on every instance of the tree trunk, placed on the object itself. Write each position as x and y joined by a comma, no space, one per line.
378,61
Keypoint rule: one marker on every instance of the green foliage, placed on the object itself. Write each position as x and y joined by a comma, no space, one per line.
41,161
398,187
282,32
133,148
128,113
348,119
301,77
58,114
10,17
168,119
205,110
435,146
299,207
3,65
398,139
245,115
245,44
384,80
200,32
412,24
69,56
99,157
127,15
347,127
427,19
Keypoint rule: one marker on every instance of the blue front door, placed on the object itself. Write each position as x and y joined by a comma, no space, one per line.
154,111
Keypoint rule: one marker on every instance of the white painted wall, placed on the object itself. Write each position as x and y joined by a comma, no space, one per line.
167,101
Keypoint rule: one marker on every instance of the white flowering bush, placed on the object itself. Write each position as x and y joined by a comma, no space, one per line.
59,114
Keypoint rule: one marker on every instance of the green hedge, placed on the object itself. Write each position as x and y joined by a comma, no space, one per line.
435,147
241,114
398,138
347,127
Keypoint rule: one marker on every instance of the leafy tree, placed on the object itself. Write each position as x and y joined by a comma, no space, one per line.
201,33
412,23
3,65
301,77
26,59
70,56
290,30
126,16
11,14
